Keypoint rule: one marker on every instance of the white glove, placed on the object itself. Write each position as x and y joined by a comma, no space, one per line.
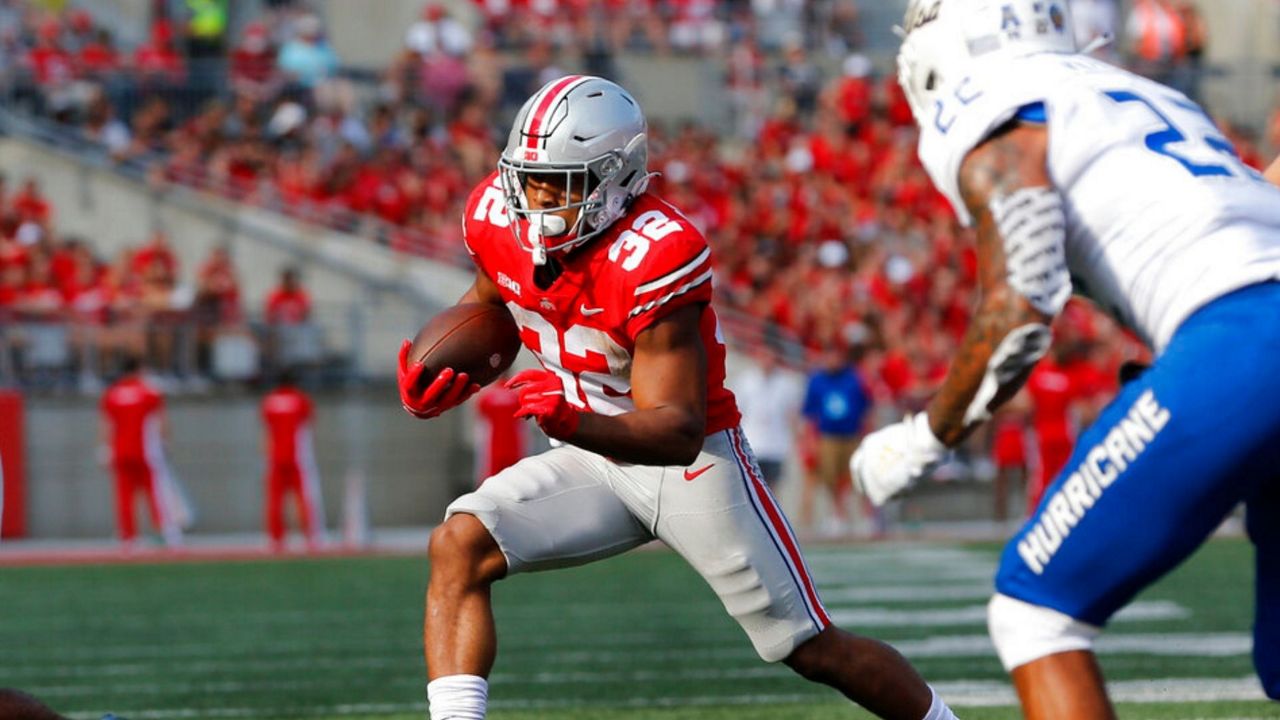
893,458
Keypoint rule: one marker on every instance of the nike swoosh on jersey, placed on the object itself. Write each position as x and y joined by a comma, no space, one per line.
691,475
588,312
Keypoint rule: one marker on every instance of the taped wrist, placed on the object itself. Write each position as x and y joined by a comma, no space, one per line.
923,438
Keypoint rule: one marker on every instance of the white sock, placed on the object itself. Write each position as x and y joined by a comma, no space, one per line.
938,710
459,697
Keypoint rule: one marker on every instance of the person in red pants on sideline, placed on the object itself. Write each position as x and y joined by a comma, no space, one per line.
291,466
1010,454
133,435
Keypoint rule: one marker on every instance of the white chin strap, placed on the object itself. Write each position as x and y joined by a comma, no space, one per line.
540,226
551,225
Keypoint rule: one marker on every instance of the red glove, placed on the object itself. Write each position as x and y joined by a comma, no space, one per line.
446,391
542,398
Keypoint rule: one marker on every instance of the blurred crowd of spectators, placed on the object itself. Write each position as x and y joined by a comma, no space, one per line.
69,315
824,224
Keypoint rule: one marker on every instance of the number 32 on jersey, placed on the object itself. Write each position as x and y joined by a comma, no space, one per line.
590,365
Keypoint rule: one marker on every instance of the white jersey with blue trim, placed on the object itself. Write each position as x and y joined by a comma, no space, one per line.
1162,216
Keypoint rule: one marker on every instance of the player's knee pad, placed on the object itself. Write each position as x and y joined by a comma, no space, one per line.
1023,632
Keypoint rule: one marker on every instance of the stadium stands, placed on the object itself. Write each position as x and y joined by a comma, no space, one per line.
68,314
825,227
819,190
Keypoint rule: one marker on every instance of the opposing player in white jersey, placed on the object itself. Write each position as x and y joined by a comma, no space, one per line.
611,288
1079,175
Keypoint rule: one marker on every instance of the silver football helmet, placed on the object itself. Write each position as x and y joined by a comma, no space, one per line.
593,132
942,39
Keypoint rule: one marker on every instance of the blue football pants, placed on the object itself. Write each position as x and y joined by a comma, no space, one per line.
1164,464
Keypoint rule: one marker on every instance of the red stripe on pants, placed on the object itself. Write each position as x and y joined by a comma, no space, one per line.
781,530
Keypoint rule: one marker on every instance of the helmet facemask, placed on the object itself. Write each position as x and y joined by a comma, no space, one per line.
585,136
548,230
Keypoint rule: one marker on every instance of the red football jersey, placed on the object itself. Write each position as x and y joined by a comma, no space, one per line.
1052,394
286,412
132,407
288,306
583,328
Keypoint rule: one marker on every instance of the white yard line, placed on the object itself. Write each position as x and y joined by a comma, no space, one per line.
855,593
1207,645
1170,690
855,618
958,694
881,574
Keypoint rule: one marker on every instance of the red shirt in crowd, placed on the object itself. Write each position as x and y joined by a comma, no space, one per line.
158,57
12,253
253,59
50,65
252,66
286,412
149,254
9,294
62,266
288,306
133,409
42,298
219,277
853,99
97,58
158,61
31,205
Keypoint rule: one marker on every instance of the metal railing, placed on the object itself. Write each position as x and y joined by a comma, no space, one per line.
43,352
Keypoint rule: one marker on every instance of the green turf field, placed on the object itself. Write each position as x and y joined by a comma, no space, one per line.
635,637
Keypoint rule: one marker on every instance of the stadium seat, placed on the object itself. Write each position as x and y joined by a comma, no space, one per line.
235,357
47,346
298,344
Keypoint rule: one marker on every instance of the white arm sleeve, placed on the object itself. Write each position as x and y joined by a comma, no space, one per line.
1033,223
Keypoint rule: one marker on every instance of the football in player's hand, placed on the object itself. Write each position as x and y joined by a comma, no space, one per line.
479,339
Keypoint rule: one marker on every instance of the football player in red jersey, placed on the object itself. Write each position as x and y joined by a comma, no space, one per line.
291,464
133,432
611,289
